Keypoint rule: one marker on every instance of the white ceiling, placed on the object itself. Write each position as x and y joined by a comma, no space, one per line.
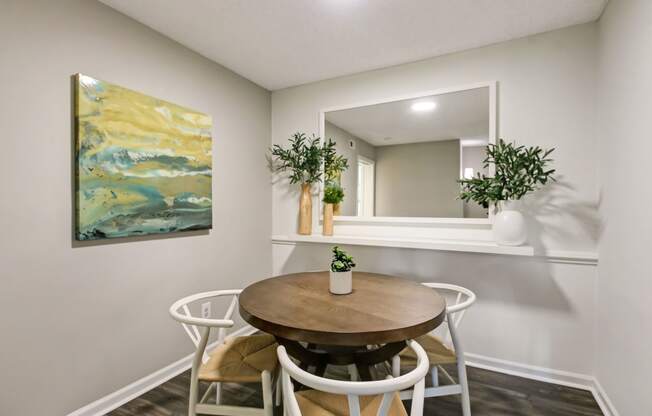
281,43
459,114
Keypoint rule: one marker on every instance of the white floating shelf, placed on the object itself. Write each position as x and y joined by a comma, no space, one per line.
488,247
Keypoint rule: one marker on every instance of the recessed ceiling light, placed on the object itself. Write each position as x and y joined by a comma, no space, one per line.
422,106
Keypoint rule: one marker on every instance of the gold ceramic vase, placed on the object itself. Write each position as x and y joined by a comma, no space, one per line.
305,210
328,219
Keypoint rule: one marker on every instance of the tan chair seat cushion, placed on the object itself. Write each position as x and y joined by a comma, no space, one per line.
319,403
437,352
241,360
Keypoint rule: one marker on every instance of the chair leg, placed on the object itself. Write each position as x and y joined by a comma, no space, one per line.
466,400
218,392
353,372
396,366
434,374
278,388
268,402
194,392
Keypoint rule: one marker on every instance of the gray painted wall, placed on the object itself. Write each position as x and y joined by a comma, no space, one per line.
418,180
52,291
80,321
623,341
350,176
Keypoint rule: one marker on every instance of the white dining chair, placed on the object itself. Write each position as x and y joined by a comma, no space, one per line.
446,350
354,398
238,358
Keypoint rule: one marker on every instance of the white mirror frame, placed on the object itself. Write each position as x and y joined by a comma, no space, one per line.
415,221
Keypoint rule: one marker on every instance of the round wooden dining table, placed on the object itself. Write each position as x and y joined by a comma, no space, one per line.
364,328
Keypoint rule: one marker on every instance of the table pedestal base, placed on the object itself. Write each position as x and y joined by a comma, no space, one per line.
363,357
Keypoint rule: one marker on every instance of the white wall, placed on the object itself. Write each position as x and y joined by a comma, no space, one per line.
624,359
530,310
79,321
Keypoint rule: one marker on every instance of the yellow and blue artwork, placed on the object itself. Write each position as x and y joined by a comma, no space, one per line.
143,165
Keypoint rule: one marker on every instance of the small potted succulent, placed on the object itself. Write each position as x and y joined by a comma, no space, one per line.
519,171
333,195
341,276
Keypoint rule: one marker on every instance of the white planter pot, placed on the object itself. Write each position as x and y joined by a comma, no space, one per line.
341,283
509,225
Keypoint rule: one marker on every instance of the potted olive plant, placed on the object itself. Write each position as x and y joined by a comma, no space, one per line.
304,160
518,171
341,276
333,195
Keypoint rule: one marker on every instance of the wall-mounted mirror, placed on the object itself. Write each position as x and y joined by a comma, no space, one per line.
405,155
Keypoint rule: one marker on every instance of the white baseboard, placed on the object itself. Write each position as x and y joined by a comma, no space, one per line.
581,381
601,397
548,375
137,388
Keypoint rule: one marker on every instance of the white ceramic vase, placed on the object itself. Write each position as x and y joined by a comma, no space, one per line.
341,283
509,225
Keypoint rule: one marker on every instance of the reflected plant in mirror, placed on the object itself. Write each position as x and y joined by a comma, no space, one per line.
334,165
519,170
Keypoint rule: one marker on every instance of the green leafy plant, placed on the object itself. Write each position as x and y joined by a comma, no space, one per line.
333,193
519,170
303,159
342,262
334,164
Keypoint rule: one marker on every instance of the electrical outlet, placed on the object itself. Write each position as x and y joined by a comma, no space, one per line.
206,310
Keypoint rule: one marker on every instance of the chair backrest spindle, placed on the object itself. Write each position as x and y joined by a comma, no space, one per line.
191,330
383,409
354,405
354,389
228,315
180,311
464,298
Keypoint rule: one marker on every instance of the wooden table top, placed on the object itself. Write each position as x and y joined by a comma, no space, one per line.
380,310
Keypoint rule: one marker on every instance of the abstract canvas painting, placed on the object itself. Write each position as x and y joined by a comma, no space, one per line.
143,165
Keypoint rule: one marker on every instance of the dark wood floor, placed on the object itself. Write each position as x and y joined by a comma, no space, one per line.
491,394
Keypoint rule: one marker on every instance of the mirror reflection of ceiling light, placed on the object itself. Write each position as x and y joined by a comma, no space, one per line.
423,106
